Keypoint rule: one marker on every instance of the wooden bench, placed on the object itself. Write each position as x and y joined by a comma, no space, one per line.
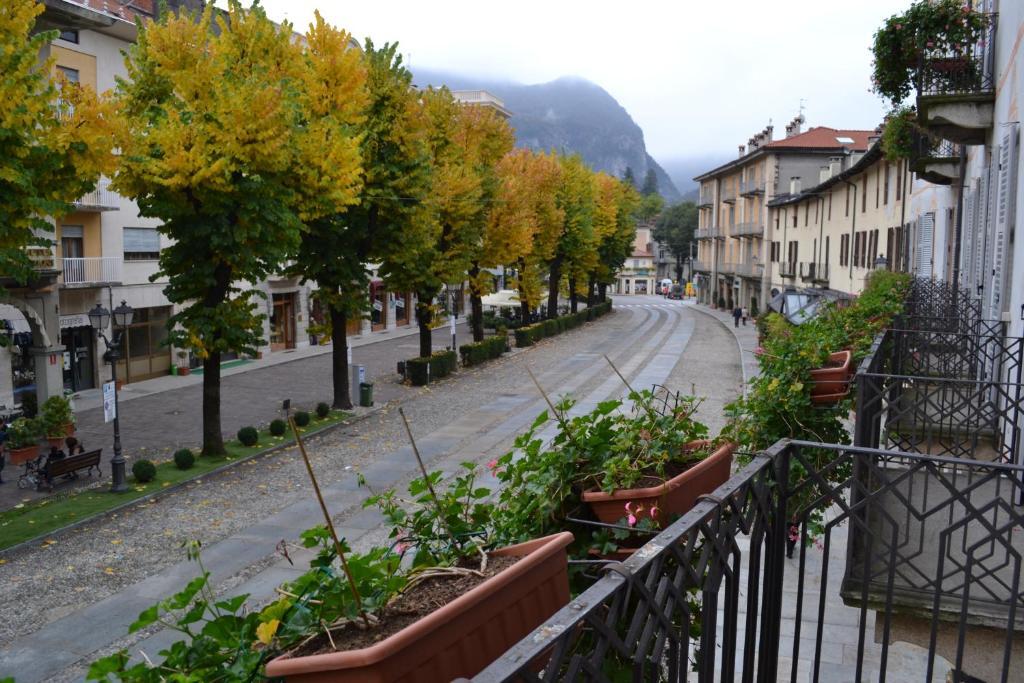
72,464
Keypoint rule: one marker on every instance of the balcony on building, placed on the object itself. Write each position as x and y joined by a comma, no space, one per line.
100,199
750,269
815,273
935,160
701,266
92,271
482,98
704,233
728,194
752,187
727,268
707,196
787,269
956,90
747,229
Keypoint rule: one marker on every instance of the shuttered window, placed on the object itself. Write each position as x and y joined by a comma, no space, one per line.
1006,188
926,228
141,244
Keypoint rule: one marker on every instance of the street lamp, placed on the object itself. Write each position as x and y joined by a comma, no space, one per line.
453,288
99,317
881,263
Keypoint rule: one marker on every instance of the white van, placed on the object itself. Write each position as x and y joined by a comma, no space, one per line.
664,287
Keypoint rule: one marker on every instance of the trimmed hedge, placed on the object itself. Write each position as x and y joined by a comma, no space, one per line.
440,364
531,334
479,352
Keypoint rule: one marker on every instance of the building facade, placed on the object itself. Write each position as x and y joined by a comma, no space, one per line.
638,274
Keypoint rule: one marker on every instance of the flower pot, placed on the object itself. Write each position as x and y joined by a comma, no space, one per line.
69,429
460,638
20,456
183,371
672,498
55,441
830,384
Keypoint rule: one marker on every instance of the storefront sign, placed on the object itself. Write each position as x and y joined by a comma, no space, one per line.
78,320
109,406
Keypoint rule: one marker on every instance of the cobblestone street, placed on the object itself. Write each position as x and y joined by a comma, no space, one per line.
89,584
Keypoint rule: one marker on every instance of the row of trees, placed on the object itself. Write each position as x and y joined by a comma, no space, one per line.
260,154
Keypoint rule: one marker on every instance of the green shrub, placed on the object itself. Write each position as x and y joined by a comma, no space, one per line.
56,415
248,436
278,427
184,459
24,432
438,365
143,471
479,352
301,418
322,410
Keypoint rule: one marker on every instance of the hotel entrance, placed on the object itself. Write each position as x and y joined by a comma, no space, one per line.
282,322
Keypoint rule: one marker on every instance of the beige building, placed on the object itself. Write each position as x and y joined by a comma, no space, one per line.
734,263
637,275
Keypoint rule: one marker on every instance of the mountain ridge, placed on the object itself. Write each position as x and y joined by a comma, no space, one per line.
568,114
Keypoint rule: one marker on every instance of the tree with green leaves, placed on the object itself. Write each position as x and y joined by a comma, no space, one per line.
224,139
650,185
629,177
615,223
55,140
675,229
575,198
440,248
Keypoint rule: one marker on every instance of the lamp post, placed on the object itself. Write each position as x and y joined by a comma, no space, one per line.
453,288
99,317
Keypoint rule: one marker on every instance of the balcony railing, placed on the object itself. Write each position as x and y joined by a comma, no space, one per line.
748,269
728,195
752,186
707,197
935,159
703,266
747,229
787,269
966,71
92,270
100,199
814,272
704,233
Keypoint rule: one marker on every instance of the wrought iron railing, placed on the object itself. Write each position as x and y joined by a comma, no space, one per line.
707,196
715,597
704,233
787,269
747,229
967,70
752,186
728,194
814,272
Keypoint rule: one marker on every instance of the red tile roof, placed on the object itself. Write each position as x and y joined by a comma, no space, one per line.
823,137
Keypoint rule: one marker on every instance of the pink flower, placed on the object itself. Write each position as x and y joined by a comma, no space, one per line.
794,533
493,467
654,512
630,517
401,547
759,351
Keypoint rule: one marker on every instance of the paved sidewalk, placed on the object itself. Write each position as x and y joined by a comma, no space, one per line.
746,337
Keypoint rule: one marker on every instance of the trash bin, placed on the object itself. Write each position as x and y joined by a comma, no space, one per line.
366,394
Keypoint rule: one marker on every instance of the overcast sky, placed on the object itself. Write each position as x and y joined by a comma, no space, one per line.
698,77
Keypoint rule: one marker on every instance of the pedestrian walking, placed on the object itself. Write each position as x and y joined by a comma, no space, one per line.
737,313
745,314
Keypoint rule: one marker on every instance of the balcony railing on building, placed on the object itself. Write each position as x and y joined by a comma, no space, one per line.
91,271
934,159
816,273
100,199
704,233
752,186
747,229
707,196
787,269
728,194
750,268
914,549
702,266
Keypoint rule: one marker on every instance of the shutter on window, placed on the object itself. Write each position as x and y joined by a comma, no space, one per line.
141,240
926,227
967,242
982,233
1005,190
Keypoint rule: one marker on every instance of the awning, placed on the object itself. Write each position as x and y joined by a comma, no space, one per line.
503,298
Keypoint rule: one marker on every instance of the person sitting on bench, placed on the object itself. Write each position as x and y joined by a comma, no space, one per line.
74,446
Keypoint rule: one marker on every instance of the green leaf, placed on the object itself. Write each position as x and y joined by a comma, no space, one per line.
146,617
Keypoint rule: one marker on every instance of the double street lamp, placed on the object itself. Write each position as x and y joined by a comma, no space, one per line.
99,318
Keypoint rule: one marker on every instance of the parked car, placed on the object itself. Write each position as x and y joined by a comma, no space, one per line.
676,292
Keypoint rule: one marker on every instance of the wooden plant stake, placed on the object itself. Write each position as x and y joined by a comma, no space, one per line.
426,478
645,405
330,523
554,411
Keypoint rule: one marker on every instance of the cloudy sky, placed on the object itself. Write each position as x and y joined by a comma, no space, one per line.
698,77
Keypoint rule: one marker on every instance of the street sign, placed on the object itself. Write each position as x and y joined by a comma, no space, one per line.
109,404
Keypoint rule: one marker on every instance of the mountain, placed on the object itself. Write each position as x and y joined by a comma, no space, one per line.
568,114
682,170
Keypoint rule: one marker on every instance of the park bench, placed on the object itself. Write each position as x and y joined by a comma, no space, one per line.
71,464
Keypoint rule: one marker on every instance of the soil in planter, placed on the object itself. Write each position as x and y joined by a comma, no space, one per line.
408,608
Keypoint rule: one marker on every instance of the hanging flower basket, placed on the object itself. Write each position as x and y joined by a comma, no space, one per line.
831,383
460,638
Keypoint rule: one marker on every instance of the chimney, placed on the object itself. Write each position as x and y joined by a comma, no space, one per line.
769,130
824,173
794,185
743,150
835,165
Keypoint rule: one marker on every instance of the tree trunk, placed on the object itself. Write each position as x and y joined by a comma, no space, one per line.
573,299
476,305
339,358
602,292
555,277
423,319
591,286
213,440
524,311
679,269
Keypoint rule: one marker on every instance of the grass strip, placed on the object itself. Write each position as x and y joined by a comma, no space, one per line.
38,518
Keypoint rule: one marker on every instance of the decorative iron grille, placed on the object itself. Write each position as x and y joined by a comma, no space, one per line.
966,71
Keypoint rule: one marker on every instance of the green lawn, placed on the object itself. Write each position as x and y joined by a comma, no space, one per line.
46,515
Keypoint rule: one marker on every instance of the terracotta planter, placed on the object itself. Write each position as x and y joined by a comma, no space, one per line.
69,429
183,371
459,639
831,383
20,456
55,441
675,497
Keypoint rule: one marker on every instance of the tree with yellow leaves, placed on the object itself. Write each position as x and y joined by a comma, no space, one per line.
575,245
225,138
55,140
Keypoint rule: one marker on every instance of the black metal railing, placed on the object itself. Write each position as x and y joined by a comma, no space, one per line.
787,269
966,70
715,597
813,272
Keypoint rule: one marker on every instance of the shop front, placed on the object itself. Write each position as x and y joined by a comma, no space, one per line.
79,360
403,309
378,306
282,321
144,348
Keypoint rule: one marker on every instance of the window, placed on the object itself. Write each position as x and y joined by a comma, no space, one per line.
830,205
69,35
70,74
848,188
878,190
807,214
857,241
885,191
794,250
899,179
141,244
864,195
795,212
827,247
844,250
776,250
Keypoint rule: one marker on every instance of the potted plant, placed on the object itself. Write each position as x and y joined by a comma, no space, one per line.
58,421
831,382
23,439
182,366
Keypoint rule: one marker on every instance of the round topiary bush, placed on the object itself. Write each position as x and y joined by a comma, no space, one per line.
277,427
248,436
144,471
184,458
322,410
302,418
